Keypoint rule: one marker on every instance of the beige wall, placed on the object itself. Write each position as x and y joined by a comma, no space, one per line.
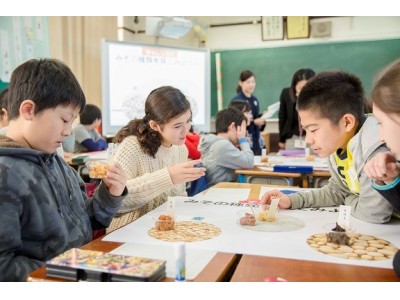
77,42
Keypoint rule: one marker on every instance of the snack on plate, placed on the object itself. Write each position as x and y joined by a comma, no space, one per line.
338,236
248,219
264,159
165,223
262,216
98,169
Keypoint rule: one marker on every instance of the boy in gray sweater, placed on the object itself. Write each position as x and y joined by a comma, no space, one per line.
44,207
331,109
228,150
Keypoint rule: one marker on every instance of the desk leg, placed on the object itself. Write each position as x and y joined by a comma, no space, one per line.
242,178
305,181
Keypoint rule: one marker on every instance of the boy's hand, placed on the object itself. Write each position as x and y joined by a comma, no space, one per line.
241,131
383,167
115,180
186,171
284,201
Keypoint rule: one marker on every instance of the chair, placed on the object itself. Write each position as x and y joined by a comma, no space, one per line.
270,180
267,142
271,141
320,182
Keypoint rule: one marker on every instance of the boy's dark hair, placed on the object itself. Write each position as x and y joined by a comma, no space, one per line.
162,105
225,118
47,82
3,101
244,75
333,94
90,114
240,104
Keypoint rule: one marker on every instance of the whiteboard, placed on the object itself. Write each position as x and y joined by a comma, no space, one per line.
132,71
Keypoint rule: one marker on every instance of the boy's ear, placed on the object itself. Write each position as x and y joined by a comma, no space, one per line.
153,125
27,109
349,121
231,126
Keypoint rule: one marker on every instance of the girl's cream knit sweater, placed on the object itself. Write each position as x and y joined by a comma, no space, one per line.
149,182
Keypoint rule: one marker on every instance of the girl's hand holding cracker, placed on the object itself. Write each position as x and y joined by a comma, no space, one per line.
115,179
284,199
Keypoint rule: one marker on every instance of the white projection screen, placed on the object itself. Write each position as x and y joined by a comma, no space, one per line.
132,71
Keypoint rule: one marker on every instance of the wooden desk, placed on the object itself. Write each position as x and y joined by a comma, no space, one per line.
294,179
256,268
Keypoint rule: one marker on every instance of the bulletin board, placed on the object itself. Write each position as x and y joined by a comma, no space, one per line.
21,38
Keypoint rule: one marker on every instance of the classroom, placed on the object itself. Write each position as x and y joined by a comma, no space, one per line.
209,53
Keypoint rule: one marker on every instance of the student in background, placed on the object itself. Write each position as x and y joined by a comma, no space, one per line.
244,107
44,208
219,153
331,109
289,123
245,89
153,154
87,137
384,169
192,143
3,111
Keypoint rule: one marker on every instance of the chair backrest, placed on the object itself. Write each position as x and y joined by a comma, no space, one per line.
320,182
267,141
269,180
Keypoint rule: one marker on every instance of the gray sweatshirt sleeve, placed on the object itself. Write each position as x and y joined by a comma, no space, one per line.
233,158
368,206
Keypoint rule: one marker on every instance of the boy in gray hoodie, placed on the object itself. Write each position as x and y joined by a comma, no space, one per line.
44,208
331,109
228,150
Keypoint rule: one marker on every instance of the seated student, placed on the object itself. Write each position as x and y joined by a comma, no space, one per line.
219,154
86,136
384,169
245,107
3,111
192,143
68,144
331,109
44,209
153,154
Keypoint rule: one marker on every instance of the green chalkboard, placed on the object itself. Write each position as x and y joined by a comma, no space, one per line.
274,67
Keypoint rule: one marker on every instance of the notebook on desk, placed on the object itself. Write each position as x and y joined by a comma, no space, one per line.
293,169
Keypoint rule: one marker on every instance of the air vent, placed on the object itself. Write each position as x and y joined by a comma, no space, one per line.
321,29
